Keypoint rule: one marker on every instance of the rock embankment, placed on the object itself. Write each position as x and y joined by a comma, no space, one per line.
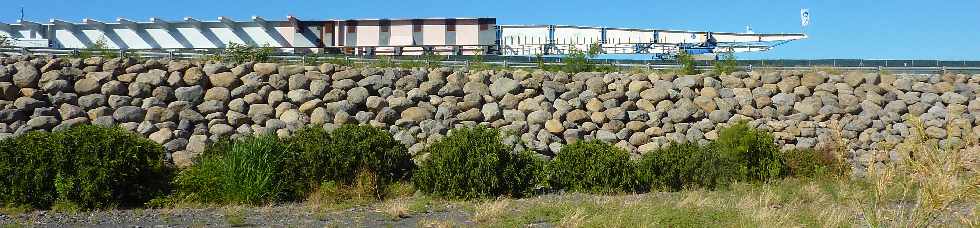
184,105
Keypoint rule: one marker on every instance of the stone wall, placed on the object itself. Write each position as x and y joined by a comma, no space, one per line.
184,105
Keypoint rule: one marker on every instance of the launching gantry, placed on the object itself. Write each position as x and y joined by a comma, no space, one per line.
444,36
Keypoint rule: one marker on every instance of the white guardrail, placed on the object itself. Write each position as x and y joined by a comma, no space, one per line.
511,62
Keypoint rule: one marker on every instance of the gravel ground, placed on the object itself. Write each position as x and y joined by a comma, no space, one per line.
269,216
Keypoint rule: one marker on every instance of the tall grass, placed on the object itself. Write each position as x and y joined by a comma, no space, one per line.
927,186
250,170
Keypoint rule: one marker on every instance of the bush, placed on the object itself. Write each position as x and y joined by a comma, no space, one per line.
250,170
475,163
687,165
727,64
753,151
687,63
593,166
346,152
240,53
86,166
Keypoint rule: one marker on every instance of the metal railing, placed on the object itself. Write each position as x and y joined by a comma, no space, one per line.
898,66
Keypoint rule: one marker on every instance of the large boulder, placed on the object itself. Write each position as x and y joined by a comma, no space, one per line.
129,114
503,85
27,76
416,114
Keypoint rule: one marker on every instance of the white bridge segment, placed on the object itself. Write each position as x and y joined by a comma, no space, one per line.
377,36
559,39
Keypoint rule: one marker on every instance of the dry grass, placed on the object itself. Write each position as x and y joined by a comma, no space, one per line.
395,209
434,223
487,212
931,184
573,220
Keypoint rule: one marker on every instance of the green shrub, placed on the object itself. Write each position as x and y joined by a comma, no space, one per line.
753,151
593,166
240,53
727,64
82,167
475,163
682,166
687,63
250,170
341,155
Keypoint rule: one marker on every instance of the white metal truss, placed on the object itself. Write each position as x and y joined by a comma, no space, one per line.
292,34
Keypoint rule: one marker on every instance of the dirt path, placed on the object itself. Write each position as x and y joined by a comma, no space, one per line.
269,216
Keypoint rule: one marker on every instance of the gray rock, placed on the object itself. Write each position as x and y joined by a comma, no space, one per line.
265,69
42,122
299,81
300,95
606,136
719,116
538,117
288,70
214,68
193,76
91,101
260,112
154,77
221,130
87,86
27,103
193,94
502,85
491,111
129,114
27,76
175,144
197,143
357,95
211,106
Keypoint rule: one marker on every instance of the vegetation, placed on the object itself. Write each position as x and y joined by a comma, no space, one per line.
727,64
753,152
687,63
477,63
87,167
385,62
475,163
740,179
685,166
249,170
261,169
812,163
348,153
593,166
240,53
99,48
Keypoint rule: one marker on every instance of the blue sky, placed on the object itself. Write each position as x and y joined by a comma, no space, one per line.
901,29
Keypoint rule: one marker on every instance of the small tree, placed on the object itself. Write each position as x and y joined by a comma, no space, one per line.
239,53
687,63
432,60
539,60
594,50
577,61
727,63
